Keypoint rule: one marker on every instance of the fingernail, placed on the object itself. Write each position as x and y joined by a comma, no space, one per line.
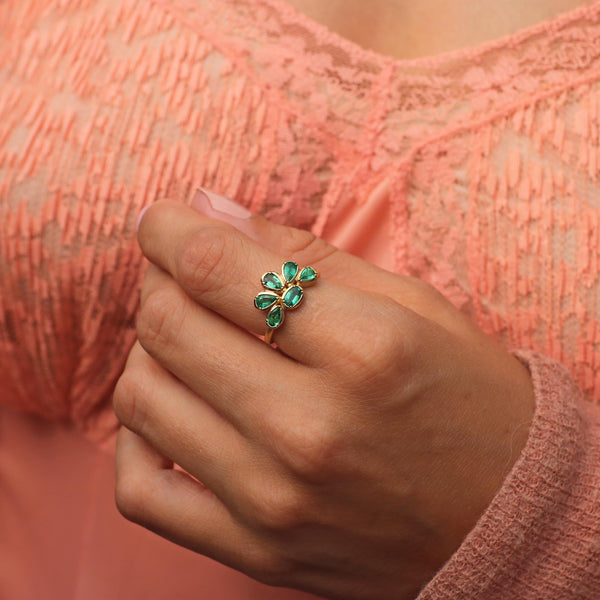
205,200
139,219
218,207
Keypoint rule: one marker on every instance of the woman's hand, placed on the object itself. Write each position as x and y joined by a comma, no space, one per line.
351,461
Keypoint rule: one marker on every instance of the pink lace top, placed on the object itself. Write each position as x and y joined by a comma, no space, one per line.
476,170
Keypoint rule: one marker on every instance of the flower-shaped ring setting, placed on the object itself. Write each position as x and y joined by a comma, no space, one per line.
282,293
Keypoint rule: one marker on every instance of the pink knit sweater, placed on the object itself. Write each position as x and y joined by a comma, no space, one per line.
476,170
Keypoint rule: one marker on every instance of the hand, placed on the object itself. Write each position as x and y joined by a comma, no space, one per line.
351,460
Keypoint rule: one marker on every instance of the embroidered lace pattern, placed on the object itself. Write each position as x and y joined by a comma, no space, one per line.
488,156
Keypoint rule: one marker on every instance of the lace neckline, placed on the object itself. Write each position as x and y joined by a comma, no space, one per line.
305,64
511,40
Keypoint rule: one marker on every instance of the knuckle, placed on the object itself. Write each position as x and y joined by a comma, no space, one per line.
382,347
310,448
204,258
306,247
159,316
284,514
269,568
130,497
422,289
129,399
278,508
387,349
423,297
395,332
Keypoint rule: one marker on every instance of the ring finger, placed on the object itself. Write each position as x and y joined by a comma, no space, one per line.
220,268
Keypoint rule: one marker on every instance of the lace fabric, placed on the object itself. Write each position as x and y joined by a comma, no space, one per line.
486,160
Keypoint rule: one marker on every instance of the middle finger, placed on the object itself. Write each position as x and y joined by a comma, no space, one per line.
239,376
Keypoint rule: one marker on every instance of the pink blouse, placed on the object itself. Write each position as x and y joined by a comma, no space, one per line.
476,170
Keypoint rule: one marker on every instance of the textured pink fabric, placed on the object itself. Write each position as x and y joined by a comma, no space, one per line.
475,170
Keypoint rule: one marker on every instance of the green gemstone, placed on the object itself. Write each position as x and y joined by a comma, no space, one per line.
265,299
308,274
289,270
272,281
292,296
275,316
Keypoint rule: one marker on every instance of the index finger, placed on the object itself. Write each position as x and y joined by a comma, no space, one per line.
221,268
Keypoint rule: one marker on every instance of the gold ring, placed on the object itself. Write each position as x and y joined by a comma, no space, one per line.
283,292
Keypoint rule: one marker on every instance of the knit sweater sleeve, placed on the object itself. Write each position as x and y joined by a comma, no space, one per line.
540,536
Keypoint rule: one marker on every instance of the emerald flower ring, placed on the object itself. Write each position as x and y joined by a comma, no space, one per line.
283,292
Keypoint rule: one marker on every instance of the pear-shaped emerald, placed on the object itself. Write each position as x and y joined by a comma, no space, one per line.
265,299
293,296
289,270
272,281
308,274
275,316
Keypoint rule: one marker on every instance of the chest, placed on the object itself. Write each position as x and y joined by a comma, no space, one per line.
405,29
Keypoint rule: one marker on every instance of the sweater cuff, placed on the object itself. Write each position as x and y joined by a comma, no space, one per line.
540,535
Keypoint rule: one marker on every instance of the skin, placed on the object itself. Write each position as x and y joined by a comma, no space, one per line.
406,29
351,460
